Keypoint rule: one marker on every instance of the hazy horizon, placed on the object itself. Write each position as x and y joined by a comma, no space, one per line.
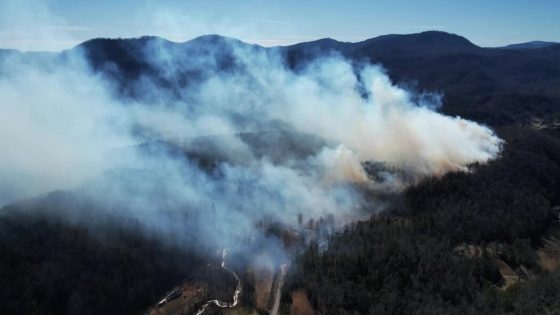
54,25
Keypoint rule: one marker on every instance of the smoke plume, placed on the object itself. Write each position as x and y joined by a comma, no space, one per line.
247,142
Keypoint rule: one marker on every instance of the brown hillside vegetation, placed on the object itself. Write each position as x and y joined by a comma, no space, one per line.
300,304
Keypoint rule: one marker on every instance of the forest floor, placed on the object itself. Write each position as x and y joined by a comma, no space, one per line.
549,253
192,294
548,261
510,276
265,281
264,276
300,304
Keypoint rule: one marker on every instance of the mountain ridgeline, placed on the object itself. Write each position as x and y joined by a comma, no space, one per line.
497,86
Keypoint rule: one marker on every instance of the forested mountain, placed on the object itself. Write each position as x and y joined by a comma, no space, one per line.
493,85
530,45
438,247
411,262
50,266
435,60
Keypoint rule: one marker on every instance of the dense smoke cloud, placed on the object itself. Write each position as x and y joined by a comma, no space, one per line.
324,100
55,126
264,142
30,25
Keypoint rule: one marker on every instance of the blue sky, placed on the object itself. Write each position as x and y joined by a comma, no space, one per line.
59,24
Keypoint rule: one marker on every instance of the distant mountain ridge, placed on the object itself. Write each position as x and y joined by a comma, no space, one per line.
425,42
531,45
493,85
486,84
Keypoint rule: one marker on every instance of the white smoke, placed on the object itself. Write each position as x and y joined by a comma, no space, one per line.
30,25
64,127
276,142
56,127
324,100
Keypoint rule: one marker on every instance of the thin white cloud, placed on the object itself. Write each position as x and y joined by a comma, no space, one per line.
271,21
71,28
31,44
30,25
269,42
428,27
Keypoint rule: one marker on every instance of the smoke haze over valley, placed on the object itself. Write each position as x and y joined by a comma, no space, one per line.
127,146
329,176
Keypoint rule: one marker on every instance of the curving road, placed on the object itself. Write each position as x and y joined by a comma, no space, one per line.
278,294
224,304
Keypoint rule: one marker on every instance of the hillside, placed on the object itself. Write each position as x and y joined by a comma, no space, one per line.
485,84
530,45
274,173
